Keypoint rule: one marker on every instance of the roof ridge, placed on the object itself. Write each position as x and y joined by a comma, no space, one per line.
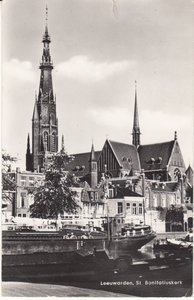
157,143
121,143
84,152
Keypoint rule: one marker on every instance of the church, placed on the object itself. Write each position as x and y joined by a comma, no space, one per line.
135,175
161,161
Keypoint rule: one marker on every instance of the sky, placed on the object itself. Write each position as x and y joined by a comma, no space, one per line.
99,49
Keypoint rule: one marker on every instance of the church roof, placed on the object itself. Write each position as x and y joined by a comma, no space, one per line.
126,155
155,156
80,164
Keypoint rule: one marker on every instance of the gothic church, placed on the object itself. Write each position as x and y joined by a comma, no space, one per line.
161,161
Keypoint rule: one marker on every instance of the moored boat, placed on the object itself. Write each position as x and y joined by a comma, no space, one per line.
30,241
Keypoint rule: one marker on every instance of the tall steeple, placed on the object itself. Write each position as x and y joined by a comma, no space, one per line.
136,129
93,168
46,66
44,121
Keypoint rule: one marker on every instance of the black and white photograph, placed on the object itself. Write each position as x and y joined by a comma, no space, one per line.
97,148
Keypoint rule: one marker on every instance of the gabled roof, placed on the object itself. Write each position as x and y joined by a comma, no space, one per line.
80,164
126,155
155,156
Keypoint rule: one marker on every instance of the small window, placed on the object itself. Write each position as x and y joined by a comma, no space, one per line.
92,195
31,181
24,215
19,215
110,193
96,196
23,196
23,182
134,209
140,209
120,207
128,206
124,159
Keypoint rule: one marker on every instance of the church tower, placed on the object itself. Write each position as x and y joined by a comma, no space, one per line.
44,120
136,129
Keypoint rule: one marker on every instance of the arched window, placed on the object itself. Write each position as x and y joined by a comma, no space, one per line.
46,139
53,142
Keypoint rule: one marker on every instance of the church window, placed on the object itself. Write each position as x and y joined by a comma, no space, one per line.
120,207
53,142
96,196
92,195
46,140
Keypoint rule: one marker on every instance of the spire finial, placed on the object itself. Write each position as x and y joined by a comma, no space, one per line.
136,129
46,14
175,135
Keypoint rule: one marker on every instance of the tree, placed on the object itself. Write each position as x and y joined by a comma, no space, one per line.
8,179
55,196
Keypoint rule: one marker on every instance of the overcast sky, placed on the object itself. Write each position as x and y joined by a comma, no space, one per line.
99,48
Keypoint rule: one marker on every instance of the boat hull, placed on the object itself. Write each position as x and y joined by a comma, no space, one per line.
33,243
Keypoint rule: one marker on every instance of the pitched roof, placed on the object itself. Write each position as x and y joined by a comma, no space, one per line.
80,164
126,155
155,156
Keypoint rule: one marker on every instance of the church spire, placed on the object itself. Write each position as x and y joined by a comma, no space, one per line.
46,66
92,153
93,168
28,144
28,155
136,129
